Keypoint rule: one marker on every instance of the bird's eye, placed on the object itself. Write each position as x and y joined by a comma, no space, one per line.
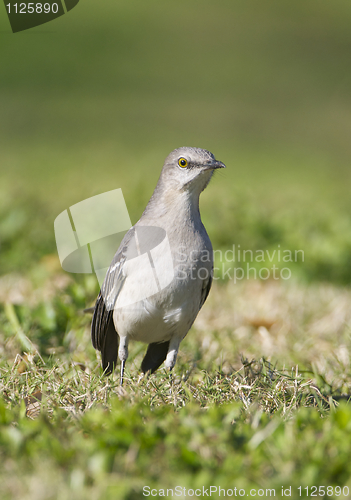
182,162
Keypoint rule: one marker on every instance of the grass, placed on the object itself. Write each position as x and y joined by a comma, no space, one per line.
118,452
230,417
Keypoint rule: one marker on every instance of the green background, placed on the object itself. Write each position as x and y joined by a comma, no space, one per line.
96,99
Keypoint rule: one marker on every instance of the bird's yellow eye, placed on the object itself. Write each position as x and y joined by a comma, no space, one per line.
182,162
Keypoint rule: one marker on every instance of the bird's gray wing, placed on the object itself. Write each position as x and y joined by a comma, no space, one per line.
103,333
206,287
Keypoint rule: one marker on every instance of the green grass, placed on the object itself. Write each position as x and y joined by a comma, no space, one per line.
118,449
229,419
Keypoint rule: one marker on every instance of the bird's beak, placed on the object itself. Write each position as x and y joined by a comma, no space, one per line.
214,164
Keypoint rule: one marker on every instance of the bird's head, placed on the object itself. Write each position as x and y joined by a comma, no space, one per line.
189,169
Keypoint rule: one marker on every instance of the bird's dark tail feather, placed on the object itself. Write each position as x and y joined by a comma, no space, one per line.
109,350
155,355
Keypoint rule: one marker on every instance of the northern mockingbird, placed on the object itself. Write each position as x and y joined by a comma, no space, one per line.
168,246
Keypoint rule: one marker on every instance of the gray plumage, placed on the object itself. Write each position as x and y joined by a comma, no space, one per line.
162,318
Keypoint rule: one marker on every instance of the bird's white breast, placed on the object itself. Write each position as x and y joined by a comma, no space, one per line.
146,310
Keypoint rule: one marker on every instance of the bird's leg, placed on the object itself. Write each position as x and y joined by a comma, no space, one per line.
172,353
170,362
122,372
123,355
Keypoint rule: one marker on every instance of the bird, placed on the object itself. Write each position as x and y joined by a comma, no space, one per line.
168,246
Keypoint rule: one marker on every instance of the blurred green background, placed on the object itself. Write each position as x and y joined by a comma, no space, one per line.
96,99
